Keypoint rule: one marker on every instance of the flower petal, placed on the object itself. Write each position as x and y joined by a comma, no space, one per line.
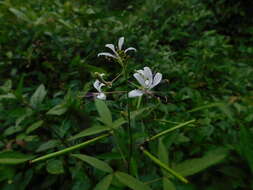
101,96
157,79
96,84
140,78
129,49
135,93
120,42
107,54
141,72
111,46
148,74
100,86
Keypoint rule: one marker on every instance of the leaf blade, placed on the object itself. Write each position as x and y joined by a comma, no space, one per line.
90,131
38,96
96,163
193,166
131,182
104,112
105,183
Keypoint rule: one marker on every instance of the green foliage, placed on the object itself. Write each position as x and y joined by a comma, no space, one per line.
12,157
55,167
193,166
50,122
94,162
245,146
104,183
130,181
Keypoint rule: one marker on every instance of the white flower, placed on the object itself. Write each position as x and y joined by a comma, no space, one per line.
115,54
146,80
98,85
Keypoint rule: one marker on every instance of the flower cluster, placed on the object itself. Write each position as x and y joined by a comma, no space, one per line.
146,80
116,51
145,77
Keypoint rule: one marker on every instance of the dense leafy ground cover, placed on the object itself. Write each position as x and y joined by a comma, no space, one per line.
194,133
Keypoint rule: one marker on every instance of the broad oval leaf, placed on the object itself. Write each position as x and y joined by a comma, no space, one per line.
131,182
96,163
105,183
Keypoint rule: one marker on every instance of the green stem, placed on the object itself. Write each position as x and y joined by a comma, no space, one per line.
139,102
130,135
164,166
166,121
129,121
72,148
170,129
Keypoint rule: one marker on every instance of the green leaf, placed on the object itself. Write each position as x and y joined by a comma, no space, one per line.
90,131
19,14
104,112
131,182
92,68
118,123
7,96
193,166
47,145
227,111
163,155
38,96
69,149
65,23
6,172
11,130
12,157
168,185
55,167
142,111
105,183
57,110
34,126
7,86
246,145
206,107
96,163
171,129
162,152
164,166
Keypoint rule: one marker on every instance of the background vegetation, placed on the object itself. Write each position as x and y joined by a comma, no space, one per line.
48,54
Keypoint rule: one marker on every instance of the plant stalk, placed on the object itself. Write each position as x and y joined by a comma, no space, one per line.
164,166
72,148
170,129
